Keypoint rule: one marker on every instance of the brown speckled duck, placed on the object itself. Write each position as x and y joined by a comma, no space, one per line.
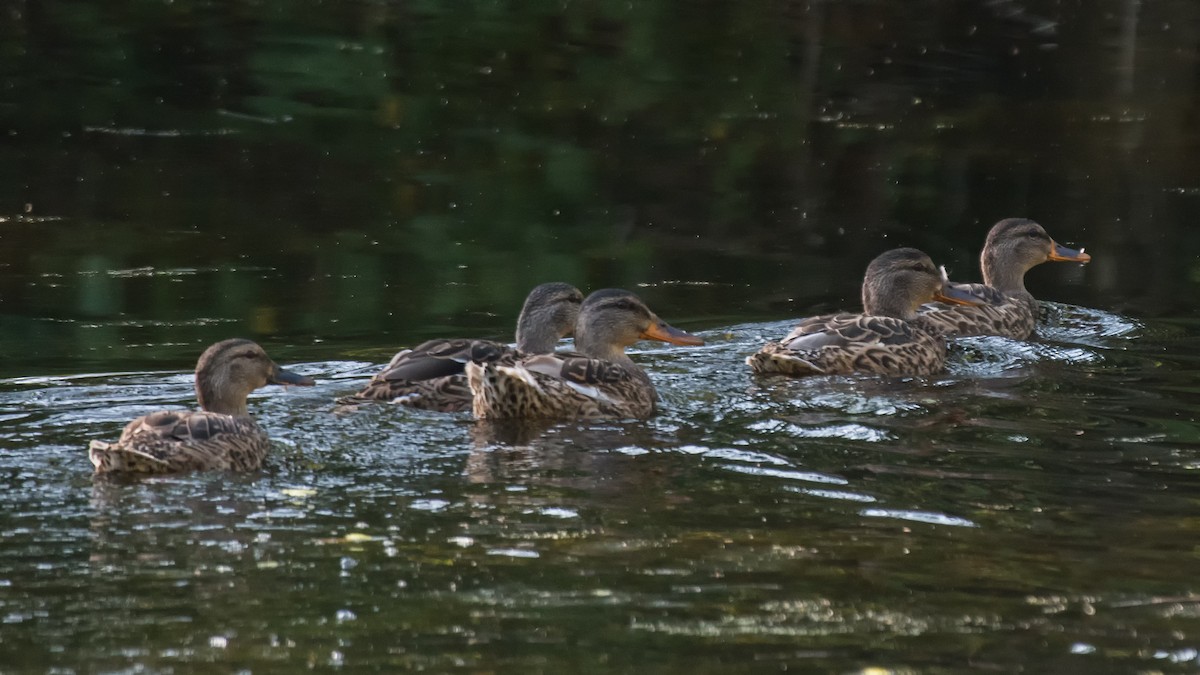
1013,247
221,435
597,381
889,338
430,375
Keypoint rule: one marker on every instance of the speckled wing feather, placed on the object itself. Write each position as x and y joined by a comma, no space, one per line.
852,343
561,385
430,376
170,441
1007,315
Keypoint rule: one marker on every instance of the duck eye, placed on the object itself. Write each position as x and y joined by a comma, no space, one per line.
918,267
1033,234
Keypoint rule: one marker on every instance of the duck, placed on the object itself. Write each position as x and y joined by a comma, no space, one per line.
887,338
220,436
596,381
1013,247
430,376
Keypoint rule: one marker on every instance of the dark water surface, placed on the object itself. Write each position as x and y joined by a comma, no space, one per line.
338,180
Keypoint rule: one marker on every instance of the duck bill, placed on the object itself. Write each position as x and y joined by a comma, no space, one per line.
954,294
281,376
1063,254
661,330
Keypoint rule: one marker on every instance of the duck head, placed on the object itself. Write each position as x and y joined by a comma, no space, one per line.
229,370
1016,245
548,315
899,281
612,319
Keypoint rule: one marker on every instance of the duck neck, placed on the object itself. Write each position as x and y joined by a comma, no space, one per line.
1001,273
882,304
605,350
896,310
215,395
535,337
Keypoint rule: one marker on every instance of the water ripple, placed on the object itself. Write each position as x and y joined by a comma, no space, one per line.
740,511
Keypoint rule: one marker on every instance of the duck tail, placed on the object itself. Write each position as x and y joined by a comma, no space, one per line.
117,458
782,363
501,391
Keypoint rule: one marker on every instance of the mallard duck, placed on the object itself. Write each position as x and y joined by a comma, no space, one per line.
888,338
1013,247
430,375
598,380
221,435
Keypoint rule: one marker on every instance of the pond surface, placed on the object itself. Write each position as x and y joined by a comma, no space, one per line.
346,179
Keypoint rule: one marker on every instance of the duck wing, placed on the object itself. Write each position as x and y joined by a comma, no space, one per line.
852,343
173,441
1009,315
430,376
578,369
847,330
441,358
560,385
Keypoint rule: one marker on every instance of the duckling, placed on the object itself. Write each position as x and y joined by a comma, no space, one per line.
888,338
1013,247
221,435
597,381
430,375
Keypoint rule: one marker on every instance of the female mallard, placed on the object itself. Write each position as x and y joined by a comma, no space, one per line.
430,375
889,338
1013,247
221,435
598,380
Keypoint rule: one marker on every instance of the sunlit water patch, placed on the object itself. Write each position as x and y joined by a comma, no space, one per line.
804,476
927,517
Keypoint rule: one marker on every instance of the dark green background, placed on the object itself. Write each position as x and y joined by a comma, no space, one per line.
373,173
338,179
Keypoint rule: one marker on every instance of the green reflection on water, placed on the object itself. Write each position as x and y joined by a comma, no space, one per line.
478,152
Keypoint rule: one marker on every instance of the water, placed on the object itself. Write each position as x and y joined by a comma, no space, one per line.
345,179
1023,510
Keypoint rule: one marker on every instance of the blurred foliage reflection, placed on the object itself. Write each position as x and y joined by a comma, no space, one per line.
382,171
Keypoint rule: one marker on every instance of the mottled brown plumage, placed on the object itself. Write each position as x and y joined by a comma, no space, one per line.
221,435
430,375
1013,247
597,381
888,339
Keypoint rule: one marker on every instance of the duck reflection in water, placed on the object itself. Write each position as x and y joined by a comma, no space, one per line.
563,453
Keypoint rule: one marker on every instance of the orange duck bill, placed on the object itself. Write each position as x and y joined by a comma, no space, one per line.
956,294
1063,254
661,330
